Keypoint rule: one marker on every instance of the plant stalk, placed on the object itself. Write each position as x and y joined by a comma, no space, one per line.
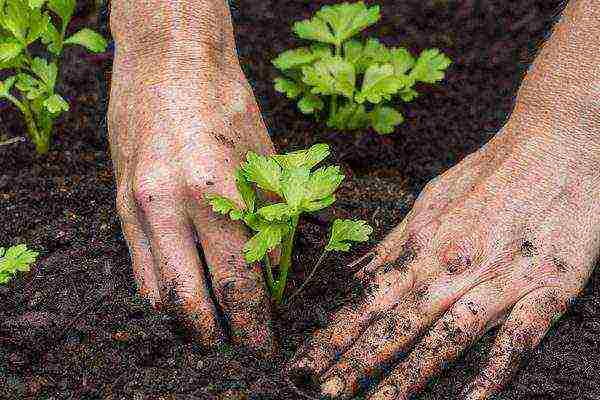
333,105
308,278
286,261
270,281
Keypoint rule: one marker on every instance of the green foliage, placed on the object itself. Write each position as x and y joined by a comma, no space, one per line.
359,76
299,187
31,87
15,259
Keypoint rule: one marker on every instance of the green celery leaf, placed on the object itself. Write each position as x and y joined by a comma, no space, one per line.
51,38
331,75
379,84
349,116
408,94
314,29
265,240
430,66
385,119
46,72
36,3
89,39
6,85
323,182
288,87
10,49
16,19
345,231
255,221
56,104
246,190
363,56
306,158
401,60
317,205
347,20
263,171
293,186
309,103
296,58
63,8
38,23
221,204
276,212
16,258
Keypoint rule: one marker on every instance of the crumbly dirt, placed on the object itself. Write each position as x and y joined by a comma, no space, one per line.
73,328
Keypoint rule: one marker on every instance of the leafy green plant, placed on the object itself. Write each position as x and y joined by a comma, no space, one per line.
31,87
15,259
359,76
300,189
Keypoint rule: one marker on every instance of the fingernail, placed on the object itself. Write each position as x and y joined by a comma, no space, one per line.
385,393
333,386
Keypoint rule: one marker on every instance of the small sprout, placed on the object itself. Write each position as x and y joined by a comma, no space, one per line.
300,187
15,259
31,87
359,76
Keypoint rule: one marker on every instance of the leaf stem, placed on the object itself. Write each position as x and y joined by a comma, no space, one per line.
270,281
333,106
286,261
308,278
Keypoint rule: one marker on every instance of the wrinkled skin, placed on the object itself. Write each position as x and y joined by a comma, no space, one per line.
508,236
181,117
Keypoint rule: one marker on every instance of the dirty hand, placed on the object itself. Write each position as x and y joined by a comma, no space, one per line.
181,117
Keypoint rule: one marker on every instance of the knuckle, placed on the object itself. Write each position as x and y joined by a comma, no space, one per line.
151,184
458,252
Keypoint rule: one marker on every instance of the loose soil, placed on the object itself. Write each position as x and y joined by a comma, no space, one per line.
73,328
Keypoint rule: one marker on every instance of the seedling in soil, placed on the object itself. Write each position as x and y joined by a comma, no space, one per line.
31,87
15,259
360,77
300,189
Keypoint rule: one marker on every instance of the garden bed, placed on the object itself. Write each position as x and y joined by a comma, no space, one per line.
73,328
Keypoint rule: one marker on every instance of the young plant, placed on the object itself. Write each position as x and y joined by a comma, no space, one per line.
360,77
31,87
15,259
300,189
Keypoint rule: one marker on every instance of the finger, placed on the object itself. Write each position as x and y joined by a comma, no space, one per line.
525,327
139,248
182,282
389,337
459,327
379,293
238,286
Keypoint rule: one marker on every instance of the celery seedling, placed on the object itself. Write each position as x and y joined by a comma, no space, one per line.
359,77
15,259
300,189
31,87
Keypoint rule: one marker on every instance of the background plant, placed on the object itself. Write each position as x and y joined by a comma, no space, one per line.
31,87
300,189
360,77
15,259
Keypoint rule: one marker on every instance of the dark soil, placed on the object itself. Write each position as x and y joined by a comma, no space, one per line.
73,328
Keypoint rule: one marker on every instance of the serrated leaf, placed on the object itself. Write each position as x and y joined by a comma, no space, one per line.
296,58
408,94
293,186
6,85
276,212
323,182
346,231
221,204
37,25
331,75
14,259
347,20
31,87
401,60
9,50
16,19
255,221
379,84
46,72
385,119
430,66
306,158
89,39
349,116
265,240
63,8
314,29
288,87
246,190
51,37
309,103
263,171
36,3
56,104
317,205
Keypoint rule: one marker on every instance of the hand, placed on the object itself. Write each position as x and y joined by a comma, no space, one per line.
503,237
180,120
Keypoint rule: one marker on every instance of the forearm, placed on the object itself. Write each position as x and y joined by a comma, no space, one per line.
189,33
